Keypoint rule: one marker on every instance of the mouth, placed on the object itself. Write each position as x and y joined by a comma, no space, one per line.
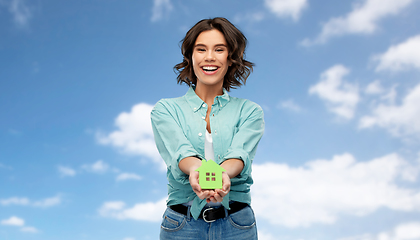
210,69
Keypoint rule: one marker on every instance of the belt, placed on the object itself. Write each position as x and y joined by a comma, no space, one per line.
211,214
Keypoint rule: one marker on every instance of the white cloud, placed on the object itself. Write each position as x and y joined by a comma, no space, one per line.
391,95
363,19
134,134
48,202
374,87
287,8
341,97
18,222
265,236
14,201
128,176
290,105
96,167
399,120
160,9
29,229
20,11
150,211
66,171
400,57
13,221
321,190
405,231
44,203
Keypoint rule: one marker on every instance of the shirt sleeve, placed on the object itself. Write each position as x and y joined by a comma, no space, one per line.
246,139
170,139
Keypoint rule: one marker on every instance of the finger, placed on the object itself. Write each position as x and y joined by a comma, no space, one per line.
213,199
218,197
226,182
194,183
203,194
222,193
207,193
211,194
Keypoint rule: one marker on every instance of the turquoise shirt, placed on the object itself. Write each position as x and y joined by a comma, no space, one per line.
179,128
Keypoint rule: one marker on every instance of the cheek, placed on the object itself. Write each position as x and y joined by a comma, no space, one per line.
194,62
226,60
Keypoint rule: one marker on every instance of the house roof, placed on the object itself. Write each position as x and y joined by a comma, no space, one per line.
210,165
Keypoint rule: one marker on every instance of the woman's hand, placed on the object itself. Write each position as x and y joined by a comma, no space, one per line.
201,193
232,166
188,165
221,193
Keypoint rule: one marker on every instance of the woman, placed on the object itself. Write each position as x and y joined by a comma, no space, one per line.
207,123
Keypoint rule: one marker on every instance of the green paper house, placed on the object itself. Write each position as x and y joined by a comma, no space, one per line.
210,175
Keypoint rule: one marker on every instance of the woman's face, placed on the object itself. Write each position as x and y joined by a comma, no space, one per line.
210,58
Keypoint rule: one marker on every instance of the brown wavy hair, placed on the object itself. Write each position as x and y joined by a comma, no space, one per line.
240,69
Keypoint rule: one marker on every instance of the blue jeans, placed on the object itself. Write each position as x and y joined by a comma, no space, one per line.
239,225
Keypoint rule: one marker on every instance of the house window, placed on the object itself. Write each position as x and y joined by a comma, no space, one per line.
213,174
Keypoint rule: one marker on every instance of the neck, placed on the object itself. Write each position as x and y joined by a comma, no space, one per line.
207,93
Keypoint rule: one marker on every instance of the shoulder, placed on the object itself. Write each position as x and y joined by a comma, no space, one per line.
247,106
167,104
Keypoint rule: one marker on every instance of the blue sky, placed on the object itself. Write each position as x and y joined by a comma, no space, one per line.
339,82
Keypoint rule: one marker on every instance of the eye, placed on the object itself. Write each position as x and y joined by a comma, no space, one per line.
220,50
200,49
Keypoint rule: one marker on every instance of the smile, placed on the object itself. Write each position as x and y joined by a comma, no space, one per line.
209,70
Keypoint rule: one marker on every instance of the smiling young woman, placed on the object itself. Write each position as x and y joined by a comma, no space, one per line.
208,123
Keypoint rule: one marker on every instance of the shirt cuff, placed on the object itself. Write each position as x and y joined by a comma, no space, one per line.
239,154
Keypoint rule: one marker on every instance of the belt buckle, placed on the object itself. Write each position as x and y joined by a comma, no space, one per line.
204,216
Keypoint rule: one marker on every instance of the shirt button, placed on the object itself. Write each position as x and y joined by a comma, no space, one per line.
204,105
195,109
215,131
203,117
200,134
221,105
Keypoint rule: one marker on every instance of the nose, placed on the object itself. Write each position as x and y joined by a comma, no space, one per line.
209,56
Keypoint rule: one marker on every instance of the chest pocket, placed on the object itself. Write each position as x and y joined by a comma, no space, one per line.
227,133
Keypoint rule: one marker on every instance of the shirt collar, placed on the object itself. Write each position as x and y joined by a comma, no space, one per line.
196,103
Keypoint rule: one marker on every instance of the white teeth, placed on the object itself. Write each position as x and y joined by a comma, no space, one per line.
209,68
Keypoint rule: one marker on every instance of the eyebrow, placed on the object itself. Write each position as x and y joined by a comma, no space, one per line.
217,45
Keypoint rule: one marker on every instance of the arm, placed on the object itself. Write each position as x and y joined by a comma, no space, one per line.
171,141
233,167
240,154
245,141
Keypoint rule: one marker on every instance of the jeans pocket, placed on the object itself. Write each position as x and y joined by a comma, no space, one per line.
173,221
243,219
